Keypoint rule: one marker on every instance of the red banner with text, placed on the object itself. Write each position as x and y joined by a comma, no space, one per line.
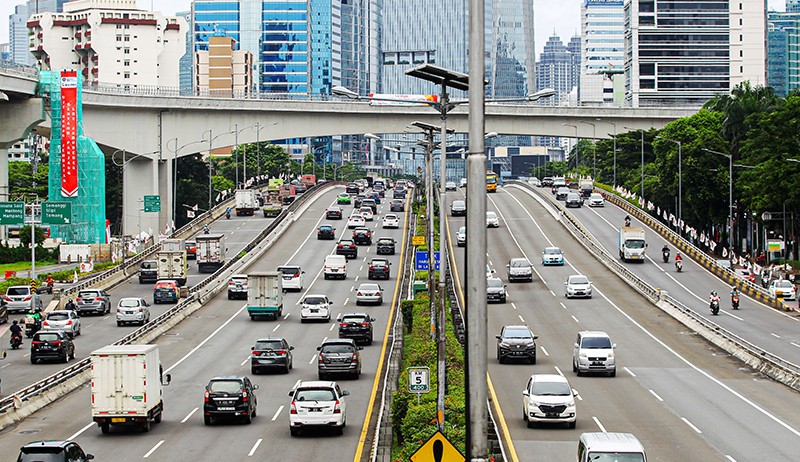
69,133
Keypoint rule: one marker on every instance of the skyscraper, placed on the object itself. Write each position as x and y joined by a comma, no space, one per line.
602,52
18,28
511,57
783,51
556,69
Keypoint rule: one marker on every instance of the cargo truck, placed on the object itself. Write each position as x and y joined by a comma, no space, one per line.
586,187
172,265
264,295
210,252
174,245
631,243
246,202
126,383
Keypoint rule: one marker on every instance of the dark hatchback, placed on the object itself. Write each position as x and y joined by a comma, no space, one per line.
148,271
352,188
339,357
271,353
397,205
229,396
347,248
52,344
357,326
399,193
516,342
362,236
53,451
379,268
326,232
386,246
334,213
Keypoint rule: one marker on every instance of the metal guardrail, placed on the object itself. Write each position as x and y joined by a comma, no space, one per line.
83,365
770,364
12,68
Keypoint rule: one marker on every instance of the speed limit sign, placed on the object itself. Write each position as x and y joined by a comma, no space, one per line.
419,380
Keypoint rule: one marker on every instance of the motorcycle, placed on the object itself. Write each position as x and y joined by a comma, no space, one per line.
206,231
714,307
228,215
735,301
665,255
16,341
678,266
32,325
627,221
49,288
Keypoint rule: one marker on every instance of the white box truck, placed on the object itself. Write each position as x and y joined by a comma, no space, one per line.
210,252
127,386
174,245
246,201
264,295
172,265
631,243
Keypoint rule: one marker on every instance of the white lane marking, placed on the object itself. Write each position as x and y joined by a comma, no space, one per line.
577,395
286,316
352,288
245,361
558,371
107,317
731,315
365,259
313,358
597,421
277,413
309,236
255,446
154,449
491,264
553,293
332,326
361,268
88,326
189,415
562,304
5,366
544,351
629,372
276,327
346,300
296,384
573,317
730,458
794,344
78,433
691,425
656,395
356,278
774,335
521,319
210,336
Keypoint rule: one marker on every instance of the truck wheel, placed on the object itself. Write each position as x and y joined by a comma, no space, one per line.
146,426
252,317
119,323
105,428
157,418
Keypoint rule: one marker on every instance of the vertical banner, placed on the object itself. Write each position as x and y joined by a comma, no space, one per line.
69,133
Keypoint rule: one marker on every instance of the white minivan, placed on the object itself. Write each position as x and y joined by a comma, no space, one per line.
335,267
292,277
601,446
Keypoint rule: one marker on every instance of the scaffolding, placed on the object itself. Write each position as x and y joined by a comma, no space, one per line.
89,206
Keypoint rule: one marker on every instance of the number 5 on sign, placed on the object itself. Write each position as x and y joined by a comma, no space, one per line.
419,380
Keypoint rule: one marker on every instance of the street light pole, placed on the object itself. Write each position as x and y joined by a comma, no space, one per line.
576,144
730,199
680,178
615,153
594,148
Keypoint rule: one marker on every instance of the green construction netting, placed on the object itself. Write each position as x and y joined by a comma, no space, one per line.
89,207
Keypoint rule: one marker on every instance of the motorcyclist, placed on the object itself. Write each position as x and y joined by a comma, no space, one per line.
665,253
627,220
35,315
206,230
70,305
49,282
678,260
228,212
714,297
735,297
16,330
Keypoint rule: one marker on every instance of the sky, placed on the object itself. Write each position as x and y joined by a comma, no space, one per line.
562,16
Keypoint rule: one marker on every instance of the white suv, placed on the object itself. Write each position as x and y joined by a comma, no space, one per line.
237,286
292,277
548,398
594,352
316,307
21,299
317,404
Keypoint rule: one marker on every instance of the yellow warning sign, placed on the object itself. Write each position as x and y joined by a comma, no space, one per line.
437,449
417,240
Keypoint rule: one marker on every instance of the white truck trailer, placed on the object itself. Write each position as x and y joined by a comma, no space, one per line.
246,201
172,265
210,252
264,294
127,386
631,243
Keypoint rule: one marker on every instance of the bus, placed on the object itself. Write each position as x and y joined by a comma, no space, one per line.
491,181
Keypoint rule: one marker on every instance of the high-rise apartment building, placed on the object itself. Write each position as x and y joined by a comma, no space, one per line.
186,63
783,51
793,6
602,52
110,42
18,28
557,68
222,70
685,53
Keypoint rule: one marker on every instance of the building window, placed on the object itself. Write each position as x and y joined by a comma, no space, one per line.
119,38
127,75
127,62
127,38
127,51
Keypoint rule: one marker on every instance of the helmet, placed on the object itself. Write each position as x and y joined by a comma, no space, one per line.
714,293
15,322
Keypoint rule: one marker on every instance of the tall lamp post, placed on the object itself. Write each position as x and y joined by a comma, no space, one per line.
730,197
641,130
594,147
576,143
615,152
680,176
176,151
210,140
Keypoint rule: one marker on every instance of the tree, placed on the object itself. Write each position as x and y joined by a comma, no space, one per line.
25,235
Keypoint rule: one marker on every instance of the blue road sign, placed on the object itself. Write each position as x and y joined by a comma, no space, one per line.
421,261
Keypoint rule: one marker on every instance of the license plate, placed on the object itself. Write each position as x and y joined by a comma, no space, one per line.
314,310
225,409
118,420
313,409
552,414
597,363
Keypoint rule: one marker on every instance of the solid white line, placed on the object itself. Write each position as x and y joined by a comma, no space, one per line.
629,372
774,335
255,446
794,344
78,433
313,358
597,421
206,339
154,449
544,351
276,328
491,264
656,395
245,361
5,366
730,458
691,425
558,371
307,237
188,415
277,413
521,319
573,317
554,294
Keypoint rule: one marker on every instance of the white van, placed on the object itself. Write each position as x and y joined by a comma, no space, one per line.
292,277
335,267
608,447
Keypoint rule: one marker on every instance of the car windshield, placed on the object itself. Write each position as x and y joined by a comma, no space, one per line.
129,302
366,210
578,280
57,317
491,215
379,263
494,282
269,345
325,228
42,454
338,348
48,337
596,342
390,217
552,251
635,244
352,319
516,333
520,264
148,265
385,241
615,457
596,196
88,294
551,389
314,394
311,300
225,386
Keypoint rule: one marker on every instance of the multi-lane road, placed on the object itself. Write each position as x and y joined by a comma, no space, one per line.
683,398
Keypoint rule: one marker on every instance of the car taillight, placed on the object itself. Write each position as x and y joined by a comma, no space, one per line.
371,268
45,324
337,407
69,323
377,293
141,309
244,396
297,275
56,342
27,298
338,246
281,352
36,342
78,299
98,299
359,294
292,408
206,397
364,324
6,298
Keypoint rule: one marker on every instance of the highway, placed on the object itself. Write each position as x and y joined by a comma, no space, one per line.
682,397
96,331
216,340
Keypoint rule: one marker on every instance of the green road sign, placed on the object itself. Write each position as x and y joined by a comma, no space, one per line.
12,213
56,213
152,203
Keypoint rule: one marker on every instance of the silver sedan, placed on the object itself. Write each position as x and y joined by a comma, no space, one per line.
66,320
369,293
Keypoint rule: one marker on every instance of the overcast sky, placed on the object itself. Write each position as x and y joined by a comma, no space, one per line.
562,16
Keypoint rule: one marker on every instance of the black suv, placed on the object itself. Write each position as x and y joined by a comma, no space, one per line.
52,344
362,236
339,356
385,246
148,271
230,396
334,212
357,326
379,268
352,188
52,451
326,232
347,248
371,203
271,353
397,205
516,342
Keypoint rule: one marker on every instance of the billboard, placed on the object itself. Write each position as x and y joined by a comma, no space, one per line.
69,133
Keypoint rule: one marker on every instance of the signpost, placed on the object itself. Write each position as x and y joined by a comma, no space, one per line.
421,261
56,213
417,240
152,203
437,449
12,213
419,380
